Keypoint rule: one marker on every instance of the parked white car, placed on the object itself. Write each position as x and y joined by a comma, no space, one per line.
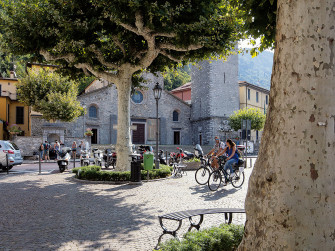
13,152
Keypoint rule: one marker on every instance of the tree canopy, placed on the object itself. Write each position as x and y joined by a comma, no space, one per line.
50,94
100,36
256,116
116,40
259,18
175,77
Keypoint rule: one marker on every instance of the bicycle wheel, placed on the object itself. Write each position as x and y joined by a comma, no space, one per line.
238,179
202,175
214,180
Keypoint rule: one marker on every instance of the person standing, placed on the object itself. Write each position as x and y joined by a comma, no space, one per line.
82,146
46,146
41,150
74,149
57,148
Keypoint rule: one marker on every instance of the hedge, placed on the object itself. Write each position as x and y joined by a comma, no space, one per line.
95,173
222,238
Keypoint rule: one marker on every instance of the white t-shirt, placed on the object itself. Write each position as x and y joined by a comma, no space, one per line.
218,146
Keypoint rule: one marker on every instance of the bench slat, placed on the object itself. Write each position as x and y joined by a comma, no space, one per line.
190,213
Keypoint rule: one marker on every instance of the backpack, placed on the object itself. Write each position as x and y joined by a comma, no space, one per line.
238,153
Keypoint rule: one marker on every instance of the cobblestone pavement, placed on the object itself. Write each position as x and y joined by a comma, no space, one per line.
51,211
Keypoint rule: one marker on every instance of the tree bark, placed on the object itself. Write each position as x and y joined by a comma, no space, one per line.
123,124
291,200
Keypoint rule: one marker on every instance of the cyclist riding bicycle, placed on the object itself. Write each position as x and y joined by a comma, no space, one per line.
232,156
218,148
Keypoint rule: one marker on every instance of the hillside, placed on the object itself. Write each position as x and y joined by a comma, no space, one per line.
256,70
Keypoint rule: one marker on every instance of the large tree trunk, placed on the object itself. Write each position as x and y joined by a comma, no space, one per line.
123,124
290,203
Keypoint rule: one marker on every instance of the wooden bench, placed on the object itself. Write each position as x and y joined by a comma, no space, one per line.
179,216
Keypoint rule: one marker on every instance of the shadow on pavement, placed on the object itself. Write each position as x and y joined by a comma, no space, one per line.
209,195
41,214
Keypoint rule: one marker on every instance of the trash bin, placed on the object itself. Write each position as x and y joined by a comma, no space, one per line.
135,171
148,160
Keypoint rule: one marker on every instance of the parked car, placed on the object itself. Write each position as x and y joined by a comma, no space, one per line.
14,155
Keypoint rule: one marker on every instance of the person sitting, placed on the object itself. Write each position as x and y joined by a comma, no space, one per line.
232,156
218,147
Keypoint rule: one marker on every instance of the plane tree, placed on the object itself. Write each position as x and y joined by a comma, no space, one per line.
116,40
290,201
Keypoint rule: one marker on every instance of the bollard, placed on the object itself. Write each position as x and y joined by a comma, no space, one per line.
74,160
39,163
7,163
250,162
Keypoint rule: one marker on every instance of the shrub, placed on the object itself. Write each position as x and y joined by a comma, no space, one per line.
222,238
95,173
192,160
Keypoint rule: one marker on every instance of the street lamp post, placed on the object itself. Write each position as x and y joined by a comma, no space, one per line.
84,106
157,94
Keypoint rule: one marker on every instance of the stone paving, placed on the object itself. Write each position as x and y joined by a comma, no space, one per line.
53,212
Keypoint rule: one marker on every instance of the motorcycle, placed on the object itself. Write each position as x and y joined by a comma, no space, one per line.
179,156
84,158
64,158
109,158
97,154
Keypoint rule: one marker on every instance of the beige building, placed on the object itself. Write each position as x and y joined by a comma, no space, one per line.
253,96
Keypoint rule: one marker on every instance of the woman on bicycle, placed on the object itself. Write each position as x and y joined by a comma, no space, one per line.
232,156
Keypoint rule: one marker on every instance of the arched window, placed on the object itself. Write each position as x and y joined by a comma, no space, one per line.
92,112
175,116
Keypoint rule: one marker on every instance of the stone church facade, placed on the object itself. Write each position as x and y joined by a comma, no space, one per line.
215,95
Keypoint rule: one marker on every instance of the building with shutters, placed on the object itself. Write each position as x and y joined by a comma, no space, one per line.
12,112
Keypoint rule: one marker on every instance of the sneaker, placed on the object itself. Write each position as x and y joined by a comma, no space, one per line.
232,175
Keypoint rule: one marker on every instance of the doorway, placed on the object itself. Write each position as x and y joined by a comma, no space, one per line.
94,139
139,134
176,137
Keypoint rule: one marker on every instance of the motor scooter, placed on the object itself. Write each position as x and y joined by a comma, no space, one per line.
162,158
97,155
84,158
64,158
198,152
110,158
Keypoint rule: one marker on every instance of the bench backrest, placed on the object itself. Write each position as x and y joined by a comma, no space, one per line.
190,213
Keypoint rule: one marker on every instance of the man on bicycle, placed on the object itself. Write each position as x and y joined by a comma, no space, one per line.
218,148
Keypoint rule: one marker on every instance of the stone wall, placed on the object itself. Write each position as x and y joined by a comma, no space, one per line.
28,145
36,125
215,96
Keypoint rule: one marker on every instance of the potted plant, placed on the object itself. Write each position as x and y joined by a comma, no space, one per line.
14,130
88,132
